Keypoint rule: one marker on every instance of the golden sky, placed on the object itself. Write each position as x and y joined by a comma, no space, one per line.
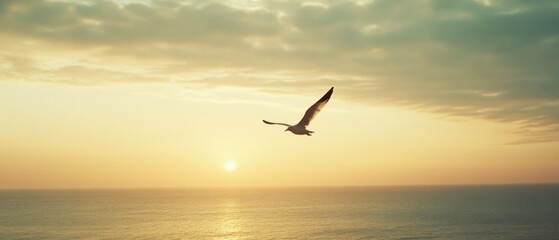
164,93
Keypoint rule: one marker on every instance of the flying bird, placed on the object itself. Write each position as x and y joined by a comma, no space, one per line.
301,127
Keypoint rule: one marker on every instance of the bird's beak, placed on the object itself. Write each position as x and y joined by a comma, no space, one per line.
286,130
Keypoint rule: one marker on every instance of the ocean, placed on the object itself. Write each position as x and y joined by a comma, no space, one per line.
419,212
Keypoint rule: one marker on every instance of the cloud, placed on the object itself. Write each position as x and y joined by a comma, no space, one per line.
482,59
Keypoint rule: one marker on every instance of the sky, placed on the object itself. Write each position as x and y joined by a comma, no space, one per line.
119,94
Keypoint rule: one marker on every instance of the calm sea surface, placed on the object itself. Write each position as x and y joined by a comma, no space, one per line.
457,212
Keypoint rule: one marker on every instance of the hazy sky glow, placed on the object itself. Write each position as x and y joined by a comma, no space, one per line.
163,93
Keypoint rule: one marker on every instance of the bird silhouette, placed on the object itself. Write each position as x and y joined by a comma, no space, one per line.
301,127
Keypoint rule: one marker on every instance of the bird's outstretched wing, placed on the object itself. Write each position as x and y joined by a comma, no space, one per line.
268,122
315,108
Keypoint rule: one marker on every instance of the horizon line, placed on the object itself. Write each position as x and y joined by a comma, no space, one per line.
284,187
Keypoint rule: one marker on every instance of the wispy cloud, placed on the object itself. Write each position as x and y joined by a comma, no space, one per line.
483,59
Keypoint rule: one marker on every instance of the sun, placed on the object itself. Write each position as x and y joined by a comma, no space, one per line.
230,165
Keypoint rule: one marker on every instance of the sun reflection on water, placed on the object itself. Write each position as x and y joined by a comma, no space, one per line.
229,225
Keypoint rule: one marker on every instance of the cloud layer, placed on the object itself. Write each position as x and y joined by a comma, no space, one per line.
486,59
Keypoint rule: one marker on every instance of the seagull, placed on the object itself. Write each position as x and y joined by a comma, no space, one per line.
301,127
